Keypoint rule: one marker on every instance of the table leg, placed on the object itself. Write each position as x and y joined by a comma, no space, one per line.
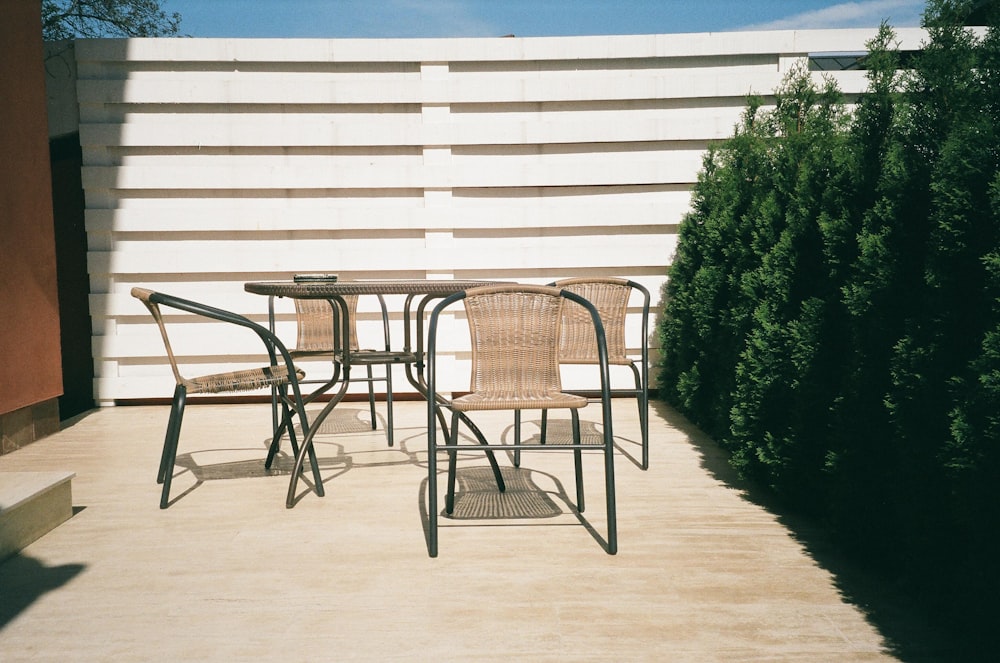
342,340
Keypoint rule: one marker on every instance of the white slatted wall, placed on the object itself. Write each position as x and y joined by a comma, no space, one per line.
208,163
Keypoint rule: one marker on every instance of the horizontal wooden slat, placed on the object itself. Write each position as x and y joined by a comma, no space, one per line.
671,168
540,213
492,129
466,49
405,90
355,255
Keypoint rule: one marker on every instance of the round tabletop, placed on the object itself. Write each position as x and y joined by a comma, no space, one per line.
326,289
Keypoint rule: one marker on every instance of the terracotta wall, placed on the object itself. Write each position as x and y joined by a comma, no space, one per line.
30,372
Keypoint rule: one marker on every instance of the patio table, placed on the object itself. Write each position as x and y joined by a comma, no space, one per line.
417,291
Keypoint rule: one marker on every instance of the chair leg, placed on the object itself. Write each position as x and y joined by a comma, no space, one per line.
313,463
275,397
478,434
286,424
609,491
642,398
449,502
168,437
577,460
609,475
490,456
371,397
293,408
170,443
272,451
517,433
279,428
517,437
432,497
388,403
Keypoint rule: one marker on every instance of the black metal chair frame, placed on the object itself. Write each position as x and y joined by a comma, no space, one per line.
640,373
281,371
435,402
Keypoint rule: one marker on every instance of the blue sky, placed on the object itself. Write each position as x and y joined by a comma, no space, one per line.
525,18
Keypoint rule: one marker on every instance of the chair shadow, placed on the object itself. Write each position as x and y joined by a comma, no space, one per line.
341,421
477,497
24,580
344,420
560,431
477,501
907,634
332,454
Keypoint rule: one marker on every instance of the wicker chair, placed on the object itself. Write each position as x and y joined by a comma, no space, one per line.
514,331
317,337
611,297
280,373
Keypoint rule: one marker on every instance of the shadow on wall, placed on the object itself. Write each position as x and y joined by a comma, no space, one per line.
72,280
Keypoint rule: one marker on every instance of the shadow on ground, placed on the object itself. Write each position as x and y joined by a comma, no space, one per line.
24,580
909,634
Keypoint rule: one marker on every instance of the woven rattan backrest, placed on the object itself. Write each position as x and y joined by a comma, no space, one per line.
610,297
514,332
143,295
315,324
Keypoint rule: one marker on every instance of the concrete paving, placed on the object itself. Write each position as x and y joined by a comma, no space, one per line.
705,571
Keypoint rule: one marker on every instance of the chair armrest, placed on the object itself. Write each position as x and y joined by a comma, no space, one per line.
270,340
602,346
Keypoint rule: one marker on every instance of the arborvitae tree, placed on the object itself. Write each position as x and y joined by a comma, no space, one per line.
781,414
879,293
705,329
972,455
938,363
833,312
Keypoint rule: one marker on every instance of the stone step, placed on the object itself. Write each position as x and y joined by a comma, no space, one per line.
32,504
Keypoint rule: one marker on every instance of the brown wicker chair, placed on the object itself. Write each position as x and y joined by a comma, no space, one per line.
611,296
317,336
280,373
514,330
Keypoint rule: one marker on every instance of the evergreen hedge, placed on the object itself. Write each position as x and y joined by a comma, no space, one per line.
832,314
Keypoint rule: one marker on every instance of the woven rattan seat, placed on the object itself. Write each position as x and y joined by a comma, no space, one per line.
280,374
514,331
525,401
249,379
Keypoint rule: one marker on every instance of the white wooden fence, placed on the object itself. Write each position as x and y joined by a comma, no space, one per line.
211,162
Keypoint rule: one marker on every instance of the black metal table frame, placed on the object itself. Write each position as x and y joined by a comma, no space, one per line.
334,292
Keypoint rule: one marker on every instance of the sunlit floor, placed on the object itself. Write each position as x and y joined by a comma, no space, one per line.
703,572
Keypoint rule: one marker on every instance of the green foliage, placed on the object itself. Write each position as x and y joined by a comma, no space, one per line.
833,309
716,248
784,363
67,19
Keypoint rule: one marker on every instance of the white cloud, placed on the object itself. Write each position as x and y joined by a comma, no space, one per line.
863,14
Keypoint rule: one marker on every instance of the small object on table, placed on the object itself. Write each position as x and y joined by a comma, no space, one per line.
309,278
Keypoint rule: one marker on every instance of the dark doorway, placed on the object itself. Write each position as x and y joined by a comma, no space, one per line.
71,276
